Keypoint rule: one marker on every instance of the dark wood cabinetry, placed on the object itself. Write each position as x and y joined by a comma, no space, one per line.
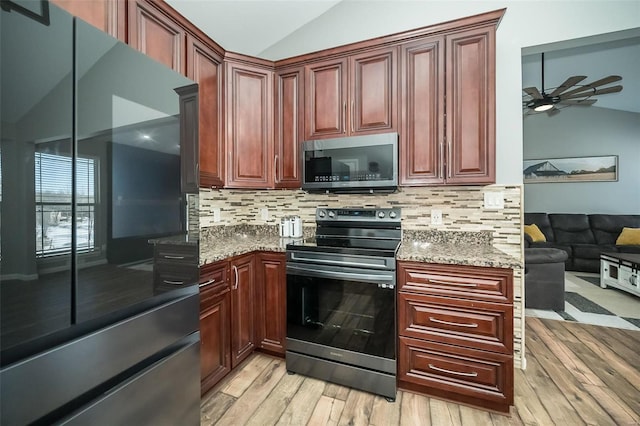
289,127
106,15
155,33
204,66
215,325
459,86
351,96
189,145
271,314
456,333
249,126
242,270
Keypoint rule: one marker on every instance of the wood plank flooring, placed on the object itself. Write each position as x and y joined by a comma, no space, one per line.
576,374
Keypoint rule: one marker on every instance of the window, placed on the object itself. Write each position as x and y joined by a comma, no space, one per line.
54,204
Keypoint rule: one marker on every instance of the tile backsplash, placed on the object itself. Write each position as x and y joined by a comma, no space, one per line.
462,210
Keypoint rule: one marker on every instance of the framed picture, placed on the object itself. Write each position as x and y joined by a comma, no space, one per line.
572,169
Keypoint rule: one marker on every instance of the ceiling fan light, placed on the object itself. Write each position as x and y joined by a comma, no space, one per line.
543,107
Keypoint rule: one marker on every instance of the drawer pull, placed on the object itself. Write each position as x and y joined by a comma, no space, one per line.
173,282
456,324
211,281
168,256
452,283
457,373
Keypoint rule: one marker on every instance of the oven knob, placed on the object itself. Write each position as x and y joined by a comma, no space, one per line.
331,214
392,215
321,213
381,215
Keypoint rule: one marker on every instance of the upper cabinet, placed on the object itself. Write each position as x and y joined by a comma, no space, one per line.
249,126
106,15
448,109
156,34
352,96
204,66
289,127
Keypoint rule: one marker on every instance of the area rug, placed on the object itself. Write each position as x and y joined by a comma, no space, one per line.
592,280
585,305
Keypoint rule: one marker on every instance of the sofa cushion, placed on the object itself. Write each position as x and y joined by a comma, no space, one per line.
542,221
607,227
544,255
591,251
535,233
629,249
571,228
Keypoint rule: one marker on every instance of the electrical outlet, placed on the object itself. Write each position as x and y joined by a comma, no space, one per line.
436,217
264,213
216,214
493,200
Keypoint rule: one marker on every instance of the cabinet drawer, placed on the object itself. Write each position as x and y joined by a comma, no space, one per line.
460,374
213,275
466,282
480,325
179,253
168,277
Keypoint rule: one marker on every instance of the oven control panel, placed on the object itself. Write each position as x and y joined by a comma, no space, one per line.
358,214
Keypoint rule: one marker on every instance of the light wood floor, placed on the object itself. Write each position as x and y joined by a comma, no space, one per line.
576,374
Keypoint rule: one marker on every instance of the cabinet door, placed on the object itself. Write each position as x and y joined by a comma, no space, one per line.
189,151
422,136
373,92
289,127
471,106
271,315
155,34
249,127
204,67
242,308
106,15
215,351
326,99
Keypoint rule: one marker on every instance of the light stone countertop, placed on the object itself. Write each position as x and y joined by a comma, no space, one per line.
427,248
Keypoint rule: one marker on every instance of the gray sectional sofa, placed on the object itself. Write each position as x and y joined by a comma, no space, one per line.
583,237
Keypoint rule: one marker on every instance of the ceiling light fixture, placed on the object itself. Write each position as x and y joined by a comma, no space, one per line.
545,106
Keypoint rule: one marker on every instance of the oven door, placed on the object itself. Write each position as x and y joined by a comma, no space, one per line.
342,313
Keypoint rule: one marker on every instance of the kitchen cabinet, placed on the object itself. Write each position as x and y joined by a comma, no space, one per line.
189,146
215,325
204,66
242,269
271,314
289,127
106,15
448,109
154,32
456,333
352,96
249,126
174,265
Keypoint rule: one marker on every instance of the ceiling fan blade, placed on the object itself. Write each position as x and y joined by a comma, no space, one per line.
614,89
593,85
533,92
552,112
584,102
567,84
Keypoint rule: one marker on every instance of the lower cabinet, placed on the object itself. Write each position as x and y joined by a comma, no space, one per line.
456,333
242,308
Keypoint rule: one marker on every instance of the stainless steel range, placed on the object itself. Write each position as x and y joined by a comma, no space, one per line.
341,299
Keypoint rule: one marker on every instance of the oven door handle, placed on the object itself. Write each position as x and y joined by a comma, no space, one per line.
374,278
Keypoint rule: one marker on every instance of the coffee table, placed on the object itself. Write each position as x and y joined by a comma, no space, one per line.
620,270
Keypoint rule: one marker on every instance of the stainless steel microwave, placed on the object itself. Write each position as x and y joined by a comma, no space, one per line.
357,164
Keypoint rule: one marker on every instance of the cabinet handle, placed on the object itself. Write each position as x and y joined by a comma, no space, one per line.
168,256
275,169
173,282
456,324
449,165
344,117
235,274
457,373
453,283
352,114
206,283
441,156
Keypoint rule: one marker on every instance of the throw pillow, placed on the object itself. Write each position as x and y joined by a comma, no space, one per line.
629,237
535,233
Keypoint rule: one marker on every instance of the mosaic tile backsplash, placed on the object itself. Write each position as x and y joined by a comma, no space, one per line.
464,219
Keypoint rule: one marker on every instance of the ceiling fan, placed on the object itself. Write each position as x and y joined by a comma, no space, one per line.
569,93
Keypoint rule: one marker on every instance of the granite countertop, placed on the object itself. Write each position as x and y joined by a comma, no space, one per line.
455,248
184,239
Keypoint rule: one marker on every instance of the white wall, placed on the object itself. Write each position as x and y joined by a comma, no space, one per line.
355,20
581,132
